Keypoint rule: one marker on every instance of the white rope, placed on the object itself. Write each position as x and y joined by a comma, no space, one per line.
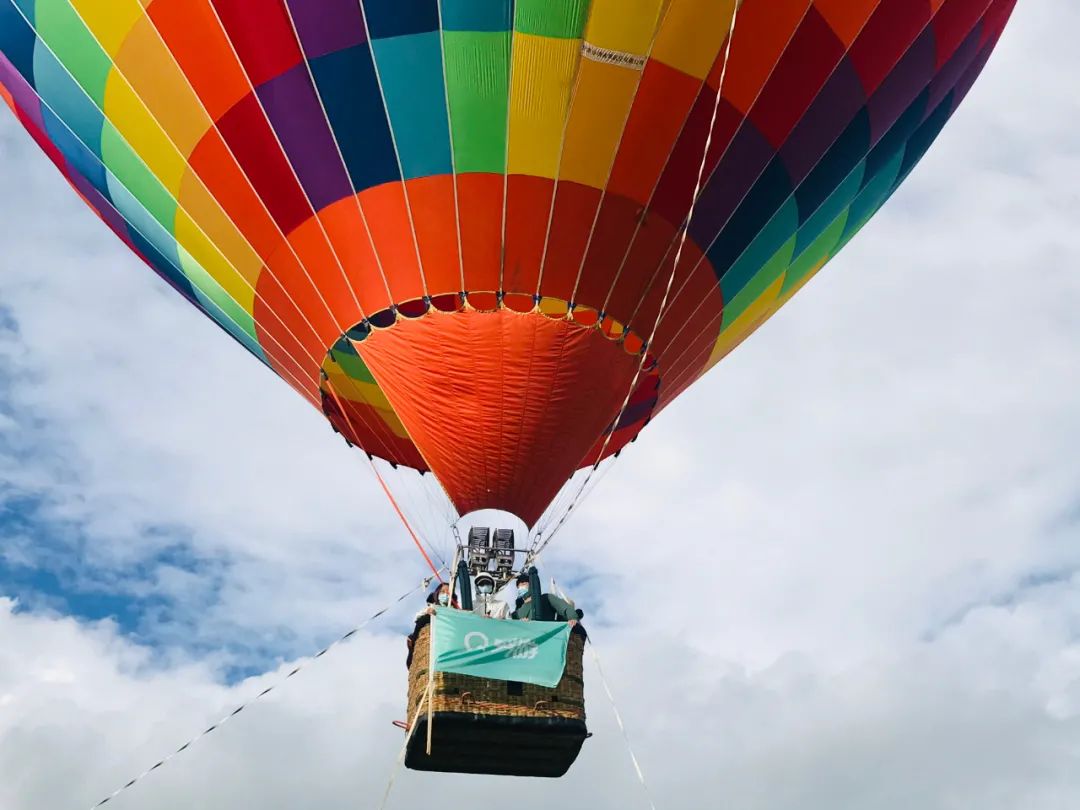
298,668
614,708
404,749
622,726
535,552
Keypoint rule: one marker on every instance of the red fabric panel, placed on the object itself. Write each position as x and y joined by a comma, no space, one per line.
248,134
811,56
528,203
503,406
892,29
263,36
480,203
663,102
576,207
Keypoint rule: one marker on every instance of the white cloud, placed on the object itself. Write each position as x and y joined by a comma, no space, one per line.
839,572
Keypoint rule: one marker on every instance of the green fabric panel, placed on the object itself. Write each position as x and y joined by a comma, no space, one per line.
133,174
837,202
477,79
354,366
61,29
235,320
823,247
561,19
783,225
875,194
768,273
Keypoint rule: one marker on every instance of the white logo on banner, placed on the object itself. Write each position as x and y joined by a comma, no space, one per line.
511,647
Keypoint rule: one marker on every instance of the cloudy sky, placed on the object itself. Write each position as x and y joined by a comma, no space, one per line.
843,571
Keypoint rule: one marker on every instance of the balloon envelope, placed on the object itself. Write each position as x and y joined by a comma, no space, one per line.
452,225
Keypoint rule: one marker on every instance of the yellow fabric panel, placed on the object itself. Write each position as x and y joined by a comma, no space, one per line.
624,25
755,315
802,282
601,104
543,77
692,33
145,136
108,20
206,232
146,63
368,394
356,390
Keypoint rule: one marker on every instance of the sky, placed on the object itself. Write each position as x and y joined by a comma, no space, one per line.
842,571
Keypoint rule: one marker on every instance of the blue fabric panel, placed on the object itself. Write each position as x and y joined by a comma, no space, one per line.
764,199
411,70
836,164
68,100
354,105
17,40
80,159
477,15
396,18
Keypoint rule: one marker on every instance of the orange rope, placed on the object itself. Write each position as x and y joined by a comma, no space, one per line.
385,488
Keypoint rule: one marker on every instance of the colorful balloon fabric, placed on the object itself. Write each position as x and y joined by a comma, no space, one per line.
451,225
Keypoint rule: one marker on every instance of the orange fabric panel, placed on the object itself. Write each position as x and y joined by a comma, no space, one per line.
664,99
290,346
480,203
486,396
320,287
762,32
846,17
193,34
388,218
435,220
345,227
216,168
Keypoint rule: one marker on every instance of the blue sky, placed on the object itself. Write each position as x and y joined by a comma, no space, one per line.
874,600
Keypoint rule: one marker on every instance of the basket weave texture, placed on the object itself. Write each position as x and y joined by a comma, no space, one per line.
492,698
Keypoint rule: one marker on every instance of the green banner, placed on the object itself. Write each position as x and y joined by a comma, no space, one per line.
468,644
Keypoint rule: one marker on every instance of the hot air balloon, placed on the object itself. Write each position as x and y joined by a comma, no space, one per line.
489,240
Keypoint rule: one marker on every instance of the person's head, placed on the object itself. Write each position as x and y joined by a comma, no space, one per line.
523,584
485,584
440,596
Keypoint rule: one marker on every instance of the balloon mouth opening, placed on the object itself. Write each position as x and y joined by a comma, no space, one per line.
493,301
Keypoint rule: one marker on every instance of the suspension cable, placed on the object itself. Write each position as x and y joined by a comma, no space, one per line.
298,668
537,548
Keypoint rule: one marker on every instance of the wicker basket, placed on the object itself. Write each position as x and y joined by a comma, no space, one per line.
465,693
481,725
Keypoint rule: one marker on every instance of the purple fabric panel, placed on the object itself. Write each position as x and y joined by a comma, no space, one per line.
100,204
741,167
953,69
298,119
971,74
902,86
328,26
23,94
830,113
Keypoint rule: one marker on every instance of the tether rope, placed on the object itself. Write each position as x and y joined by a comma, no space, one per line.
386,490
537,548
298,668
622,726
614,707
